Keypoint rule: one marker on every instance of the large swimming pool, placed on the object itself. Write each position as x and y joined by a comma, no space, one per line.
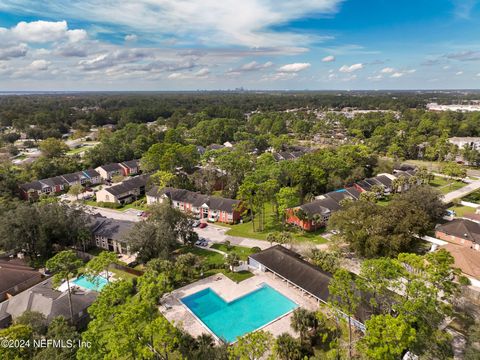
229,320
96,284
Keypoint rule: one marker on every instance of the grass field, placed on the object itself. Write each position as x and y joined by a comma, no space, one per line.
217,263
119,274
136,205
473,197
242,251
445,185
461,210
271,225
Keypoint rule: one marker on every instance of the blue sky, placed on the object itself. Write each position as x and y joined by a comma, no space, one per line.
257,44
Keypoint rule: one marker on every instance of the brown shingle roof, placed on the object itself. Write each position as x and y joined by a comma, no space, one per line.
466,259
462,228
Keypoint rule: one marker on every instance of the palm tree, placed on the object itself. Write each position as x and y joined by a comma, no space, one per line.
309,197
402,181
285,238
395,185
302,216
302,322
378,190
65,265
232,260
273,237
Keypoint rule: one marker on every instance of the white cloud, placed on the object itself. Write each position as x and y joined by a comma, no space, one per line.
458,73
253,65
328,58
200,74
279,76
387,70
43,31
375,77
478,74
351,68
446,67
401,73
15,51
293,68
39,65
246,23
131,38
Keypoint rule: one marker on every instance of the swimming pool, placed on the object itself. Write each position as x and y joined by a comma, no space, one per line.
97,284
229,320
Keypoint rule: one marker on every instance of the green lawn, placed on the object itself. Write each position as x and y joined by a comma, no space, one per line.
445,185
139,204
473,197
242,251
208,257
77,150
461,210
235,276
217,262
120,274
271,225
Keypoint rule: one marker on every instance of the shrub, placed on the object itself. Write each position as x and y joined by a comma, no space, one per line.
256,249
109,205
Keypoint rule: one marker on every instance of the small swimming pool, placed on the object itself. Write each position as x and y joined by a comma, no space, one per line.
96,284
230,320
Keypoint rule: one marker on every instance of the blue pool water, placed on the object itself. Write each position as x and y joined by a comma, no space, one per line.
97,284
229,320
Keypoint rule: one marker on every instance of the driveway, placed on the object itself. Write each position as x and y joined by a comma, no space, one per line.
474,185
129,214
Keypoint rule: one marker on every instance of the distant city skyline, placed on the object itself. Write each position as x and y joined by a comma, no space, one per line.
170,45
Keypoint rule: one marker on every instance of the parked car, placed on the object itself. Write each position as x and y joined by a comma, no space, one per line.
202,242
203,225
140,213
195,223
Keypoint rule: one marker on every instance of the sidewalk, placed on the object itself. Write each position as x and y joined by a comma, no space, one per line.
464,191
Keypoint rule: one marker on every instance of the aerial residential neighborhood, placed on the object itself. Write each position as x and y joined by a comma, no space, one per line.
239,180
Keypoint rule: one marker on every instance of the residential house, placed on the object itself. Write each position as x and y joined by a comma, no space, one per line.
109,170
111,234
76,178
125,192
57,184
16,276
467,260
461,232
93,176
203,207
461,142
52,303
287,155
383,180
32,190
314,215
131,167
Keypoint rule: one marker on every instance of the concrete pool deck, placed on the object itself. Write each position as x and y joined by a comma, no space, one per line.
176,312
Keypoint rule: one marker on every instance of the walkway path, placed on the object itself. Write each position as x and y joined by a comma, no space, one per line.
464,191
